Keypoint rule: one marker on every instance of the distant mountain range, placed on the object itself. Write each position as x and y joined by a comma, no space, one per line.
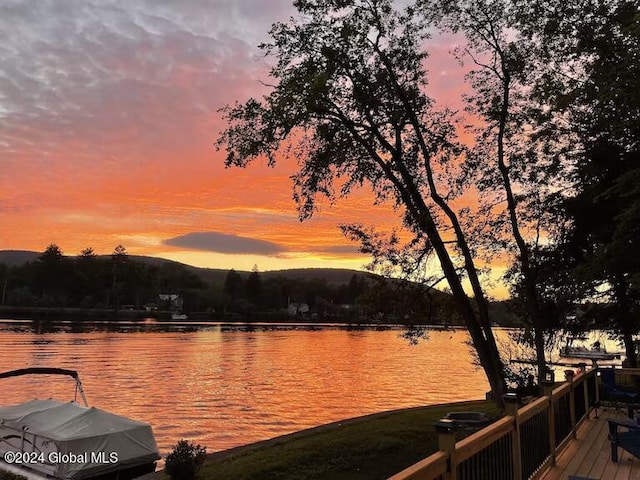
211,275
17,257
334,276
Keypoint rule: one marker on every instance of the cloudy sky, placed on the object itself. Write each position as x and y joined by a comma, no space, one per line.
108,117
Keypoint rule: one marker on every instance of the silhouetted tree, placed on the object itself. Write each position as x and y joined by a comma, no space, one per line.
349,99
357,286
51,254
253,287
4,281
87,253
52,276
592,81
88,275
513,179
119,260
233,284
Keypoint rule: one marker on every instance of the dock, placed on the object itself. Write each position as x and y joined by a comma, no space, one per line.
588,456
562,435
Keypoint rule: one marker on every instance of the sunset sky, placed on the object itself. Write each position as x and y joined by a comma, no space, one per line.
108,118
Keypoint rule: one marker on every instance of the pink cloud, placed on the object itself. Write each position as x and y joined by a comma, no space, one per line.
108,112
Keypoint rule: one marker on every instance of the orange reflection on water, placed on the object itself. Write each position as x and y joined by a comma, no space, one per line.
226,387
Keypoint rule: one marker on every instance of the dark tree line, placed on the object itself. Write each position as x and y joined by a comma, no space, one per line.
118,282
252,293
363,298
594,267
92,281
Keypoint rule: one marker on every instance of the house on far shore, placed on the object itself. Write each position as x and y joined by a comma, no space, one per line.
295,309
151,307
172,300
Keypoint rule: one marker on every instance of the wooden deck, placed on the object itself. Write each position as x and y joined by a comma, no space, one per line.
589,456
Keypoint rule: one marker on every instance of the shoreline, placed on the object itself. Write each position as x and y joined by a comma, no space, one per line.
328,428
81,315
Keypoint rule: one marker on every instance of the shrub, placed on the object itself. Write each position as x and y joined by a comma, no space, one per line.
10,476
185,460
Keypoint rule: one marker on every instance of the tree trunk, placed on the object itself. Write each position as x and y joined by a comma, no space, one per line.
624,321
531,291
484,344
479,326
536,320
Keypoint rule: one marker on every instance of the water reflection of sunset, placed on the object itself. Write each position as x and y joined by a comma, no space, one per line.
227,388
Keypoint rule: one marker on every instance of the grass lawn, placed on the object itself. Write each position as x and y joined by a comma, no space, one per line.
365,448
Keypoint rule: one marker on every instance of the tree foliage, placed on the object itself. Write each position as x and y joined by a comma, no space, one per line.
86,281
513,176
350,104
598,91
184,461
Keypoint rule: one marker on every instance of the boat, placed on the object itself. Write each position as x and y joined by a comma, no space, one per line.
65,440
596,352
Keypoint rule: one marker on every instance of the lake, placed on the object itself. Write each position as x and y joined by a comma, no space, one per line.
223,386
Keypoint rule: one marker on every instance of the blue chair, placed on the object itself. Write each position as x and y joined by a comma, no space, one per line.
611,390
628,440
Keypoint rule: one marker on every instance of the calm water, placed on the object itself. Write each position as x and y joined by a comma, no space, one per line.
223,387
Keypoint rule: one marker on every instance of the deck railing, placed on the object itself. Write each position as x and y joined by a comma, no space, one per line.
519,446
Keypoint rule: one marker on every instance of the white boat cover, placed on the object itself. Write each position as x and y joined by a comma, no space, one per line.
76,442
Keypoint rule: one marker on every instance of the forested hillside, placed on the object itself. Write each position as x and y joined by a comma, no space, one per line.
123,282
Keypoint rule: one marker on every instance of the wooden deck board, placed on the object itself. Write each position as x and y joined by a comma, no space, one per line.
604,454
589,455
597,452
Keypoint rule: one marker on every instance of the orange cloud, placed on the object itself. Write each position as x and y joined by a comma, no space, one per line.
109,112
